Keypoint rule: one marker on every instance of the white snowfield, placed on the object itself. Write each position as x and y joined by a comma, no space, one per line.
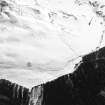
40,42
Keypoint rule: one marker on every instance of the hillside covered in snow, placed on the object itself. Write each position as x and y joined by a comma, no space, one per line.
41,40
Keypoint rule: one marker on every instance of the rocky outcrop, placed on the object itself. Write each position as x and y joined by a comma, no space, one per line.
84,87
13,94
99,54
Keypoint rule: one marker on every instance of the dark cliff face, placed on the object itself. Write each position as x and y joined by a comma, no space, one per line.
85,86
13,94
99,54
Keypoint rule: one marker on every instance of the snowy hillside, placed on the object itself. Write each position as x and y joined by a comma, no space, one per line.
44,39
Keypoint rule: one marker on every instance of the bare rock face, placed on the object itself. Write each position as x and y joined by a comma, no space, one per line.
85,86
99,54
13,94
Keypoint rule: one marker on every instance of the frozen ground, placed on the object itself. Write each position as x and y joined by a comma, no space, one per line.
43,39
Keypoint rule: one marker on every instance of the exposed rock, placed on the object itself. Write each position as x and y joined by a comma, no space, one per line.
13,94
99,54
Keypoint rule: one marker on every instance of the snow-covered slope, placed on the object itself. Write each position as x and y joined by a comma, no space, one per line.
41,40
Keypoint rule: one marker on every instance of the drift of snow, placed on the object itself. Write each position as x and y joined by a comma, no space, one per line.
40,41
